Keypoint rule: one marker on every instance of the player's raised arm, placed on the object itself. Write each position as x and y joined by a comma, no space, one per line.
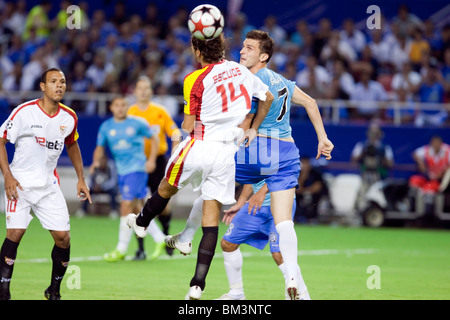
325,145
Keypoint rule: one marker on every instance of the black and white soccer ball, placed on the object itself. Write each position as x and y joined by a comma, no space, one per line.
206,22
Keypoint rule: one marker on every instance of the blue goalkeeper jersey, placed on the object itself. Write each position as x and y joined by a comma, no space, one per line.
277,122
125,140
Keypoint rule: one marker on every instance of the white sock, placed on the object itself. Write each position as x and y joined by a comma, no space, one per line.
193,222
156,233
125,234
304,294
233,266
288,247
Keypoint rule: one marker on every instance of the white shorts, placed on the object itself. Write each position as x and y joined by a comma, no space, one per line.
205,165
47,203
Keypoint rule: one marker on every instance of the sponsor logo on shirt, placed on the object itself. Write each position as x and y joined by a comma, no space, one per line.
56,145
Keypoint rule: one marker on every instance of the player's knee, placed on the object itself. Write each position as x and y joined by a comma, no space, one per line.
62,239
228,246
166,190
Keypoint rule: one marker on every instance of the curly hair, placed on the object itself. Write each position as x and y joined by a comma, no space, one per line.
212,50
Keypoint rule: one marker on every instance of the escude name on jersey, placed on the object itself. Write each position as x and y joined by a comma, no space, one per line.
227,74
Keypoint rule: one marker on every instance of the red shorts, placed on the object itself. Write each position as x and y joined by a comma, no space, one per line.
429,186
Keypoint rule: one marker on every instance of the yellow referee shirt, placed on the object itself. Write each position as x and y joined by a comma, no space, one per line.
157,115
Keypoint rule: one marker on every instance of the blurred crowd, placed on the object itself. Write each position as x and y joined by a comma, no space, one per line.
404,62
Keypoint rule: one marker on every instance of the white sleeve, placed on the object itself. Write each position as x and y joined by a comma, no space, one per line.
10,129
259,88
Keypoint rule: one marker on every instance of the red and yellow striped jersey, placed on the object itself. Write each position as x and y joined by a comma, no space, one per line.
220,95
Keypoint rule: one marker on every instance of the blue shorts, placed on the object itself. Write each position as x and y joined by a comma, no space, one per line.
133,186
255,230
276,161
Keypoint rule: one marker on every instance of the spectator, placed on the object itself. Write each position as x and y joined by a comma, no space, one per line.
32,71
12,84
445,70
419,48
400,52
402,109
345,79
82,84
321,37
433,37
99,71
272,27
300,33
82,50
379,47
354,37
321,76
38,19
17,16
406,22
335,48
406,80
241,26
120,14
153,18
16,50
367,96
374,158
431,91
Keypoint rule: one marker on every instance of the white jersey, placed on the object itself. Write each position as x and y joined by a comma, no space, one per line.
39,140
220,96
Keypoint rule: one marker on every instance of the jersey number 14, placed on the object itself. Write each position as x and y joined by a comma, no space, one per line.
223,93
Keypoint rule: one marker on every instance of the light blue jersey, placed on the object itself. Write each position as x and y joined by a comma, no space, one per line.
125,140
276,124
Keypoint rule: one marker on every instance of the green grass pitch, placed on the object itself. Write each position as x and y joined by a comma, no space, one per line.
336,262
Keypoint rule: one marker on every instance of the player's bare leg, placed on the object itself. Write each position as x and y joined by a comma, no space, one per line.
60,262
8,255
206,249
281,207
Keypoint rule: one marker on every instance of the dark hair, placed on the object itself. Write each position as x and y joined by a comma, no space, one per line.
212,50
44,74
266,43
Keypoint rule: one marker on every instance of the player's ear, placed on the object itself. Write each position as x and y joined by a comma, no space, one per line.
42,86
263,57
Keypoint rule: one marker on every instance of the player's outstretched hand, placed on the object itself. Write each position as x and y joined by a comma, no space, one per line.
324,148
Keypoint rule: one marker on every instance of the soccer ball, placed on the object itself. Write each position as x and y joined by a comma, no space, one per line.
206,22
